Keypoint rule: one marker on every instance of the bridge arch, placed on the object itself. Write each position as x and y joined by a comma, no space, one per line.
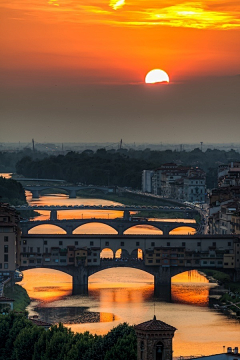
95,227
143,229
107,253
183,230
137,254
52,284
121,253
50,229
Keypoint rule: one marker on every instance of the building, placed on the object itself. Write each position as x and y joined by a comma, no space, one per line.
9,240
147,181
154,340
229,175
231,354
182,183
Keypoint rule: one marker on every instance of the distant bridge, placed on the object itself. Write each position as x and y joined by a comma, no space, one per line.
123,208
71,190
163,256
120,225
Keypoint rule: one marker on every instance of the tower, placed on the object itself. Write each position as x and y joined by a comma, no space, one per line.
154,340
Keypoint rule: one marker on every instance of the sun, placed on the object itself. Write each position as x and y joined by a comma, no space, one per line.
156,76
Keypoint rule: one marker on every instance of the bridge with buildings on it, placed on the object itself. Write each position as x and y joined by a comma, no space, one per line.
119,225
162,256
70,189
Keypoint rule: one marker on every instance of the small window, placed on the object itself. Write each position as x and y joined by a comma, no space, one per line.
150,261
89,260
45,242
229,243
122,243
24,242
0,265
5,258
76,242
46,250
38,249
91,243
214,243
5,266
168,244
152,243
60,242
31,249
137,243
5,238
158,261
71,259
106,243
94,260
183,244
199,243
6,248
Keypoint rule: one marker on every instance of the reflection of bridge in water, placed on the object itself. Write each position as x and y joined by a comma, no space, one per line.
163,256
119,225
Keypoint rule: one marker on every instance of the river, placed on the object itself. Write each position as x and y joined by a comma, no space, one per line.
126,295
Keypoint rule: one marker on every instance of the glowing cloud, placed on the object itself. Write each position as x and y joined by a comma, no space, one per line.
117,4
205,14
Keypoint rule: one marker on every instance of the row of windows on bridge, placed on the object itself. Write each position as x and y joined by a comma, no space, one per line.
122,243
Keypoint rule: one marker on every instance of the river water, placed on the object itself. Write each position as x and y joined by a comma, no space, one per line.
126,295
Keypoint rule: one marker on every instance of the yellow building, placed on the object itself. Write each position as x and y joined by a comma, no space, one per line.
80,256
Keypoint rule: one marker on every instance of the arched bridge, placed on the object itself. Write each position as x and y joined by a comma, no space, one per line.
119,225
162,256
71,190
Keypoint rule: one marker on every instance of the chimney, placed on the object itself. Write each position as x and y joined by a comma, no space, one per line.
229,350
236,350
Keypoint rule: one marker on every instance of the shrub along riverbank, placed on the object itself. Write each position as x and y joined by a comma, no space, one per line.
20,339
233,294
20,295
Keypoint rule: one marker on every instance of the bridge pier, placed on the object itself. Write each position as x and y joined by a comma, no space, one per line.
165,230
53,215
72,194
126,215
162,284
80,281
35,194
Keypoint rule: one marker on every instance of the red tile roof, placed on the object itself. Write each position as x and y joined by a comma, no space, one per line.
154,325
40,323
3,298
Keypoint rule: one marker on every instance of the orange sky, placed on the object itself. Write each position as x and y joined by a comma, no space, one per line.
117,41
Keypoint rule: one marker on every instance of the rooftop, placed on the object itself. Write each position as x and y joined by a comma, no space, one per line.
155,325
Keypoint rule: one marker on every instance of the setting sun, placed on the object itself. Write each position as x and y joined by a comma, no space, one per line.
156,76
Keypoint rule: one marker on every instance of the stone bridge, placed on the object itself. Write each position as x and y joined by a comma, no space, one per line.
71,190
119,225
163,256
161,275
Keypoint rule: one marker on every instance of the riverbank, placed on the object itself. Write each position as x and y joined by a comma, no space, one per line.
19,295
229,302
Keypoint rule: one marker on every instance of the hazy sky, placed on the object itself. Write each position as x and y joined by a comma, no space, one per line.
74,70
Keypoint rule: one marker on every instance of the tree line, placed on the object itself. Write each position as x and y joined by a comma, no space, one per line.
11,192
120,167
20,339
